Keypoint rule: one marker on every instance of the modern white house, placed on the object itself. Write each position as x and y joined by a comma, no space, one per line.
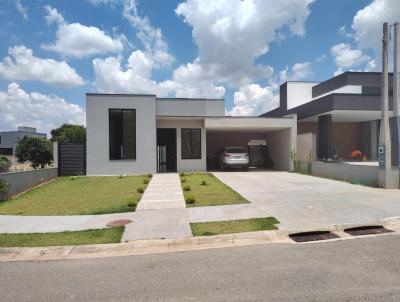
137,133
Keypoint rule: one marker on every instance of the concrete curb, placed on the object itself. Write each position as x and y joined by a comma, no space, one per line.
142,247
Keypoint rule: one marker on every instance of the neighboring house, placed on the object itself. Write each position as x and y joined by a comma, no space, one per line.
135,133
343,113
9,139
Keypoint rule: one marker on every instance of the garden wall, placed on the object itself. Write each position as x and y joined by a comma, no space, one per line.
21,181
357,173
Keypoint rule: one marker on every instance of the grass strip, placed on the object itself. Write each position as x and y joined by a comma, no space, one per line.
234,226
96,236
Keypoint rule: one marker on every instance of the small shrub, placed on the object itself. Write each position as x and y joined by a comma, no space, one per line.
140,190
149,175
186,188
121,176
203,183
72,178
131,204
4,186
5,164
182,174
183,180
190,200
145,181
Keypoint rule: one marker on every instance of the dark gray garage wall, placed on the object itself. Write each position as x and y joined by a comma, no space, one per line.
21,181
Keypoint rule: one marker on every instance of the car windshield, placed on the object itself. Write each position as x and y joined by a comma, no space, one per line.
235,150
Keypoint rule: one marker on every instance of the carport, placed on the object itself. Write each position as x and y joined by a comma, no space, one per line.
277,135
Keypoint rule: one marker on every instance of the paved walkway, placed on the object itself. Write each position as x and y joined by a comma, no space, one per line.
161,213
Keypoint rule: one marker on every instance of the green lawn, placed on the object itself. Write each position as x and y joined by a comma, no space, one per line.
212,193
112,235
77,196
234,226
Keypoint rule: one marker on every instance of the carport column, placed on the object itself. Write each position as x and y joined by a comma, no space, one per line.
325,137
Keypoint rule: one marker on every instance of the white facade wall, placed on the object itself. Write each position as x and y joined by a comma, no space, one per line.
187,165
188,107
97,127
299,93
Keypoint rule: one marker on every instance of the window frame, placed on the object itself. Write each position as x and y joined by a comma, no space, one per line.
200,143
122,134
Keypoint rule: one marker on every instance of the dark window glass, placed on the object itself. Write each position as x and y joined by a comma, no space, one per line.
122,127
191,143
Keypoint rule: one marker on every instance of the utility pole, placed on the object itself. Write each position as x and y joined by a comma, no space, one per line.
396,89
385,147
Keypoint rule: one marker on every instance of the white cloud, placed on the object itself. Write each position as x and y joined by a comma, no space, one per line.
252,100
150,36
44,112
231,35
366,31
23,10
21,64
77,40
321,58
135,77
299,71
346,57
109,2
367,23
190,81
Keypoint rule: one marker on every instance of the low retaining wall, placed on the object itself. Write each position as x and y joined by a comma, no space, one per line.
21,181
363,174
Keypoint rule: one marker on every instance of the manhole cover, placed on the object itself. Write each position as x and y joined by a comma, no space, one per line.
367,230
312,236
118,223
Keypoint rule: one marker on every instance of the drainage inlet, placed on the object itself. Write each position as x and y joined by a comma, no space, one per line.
313,236
367,230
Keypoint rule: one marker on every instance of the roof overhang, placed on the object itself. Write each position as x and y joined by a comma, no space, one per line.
248,124
349,116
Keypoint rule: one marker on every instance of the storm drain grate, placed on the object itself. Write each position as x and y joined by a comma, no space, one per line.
367,230
313,236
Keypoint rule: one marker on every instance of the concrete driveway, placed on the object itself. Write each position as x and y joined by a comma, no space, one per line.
301,201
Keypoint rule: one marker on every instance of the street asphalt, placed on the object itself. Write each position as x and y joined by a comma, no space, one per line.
366,269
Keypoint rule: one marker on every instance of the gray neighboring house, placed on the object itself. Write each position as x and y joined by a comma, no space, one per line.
343,113
9,139
137,133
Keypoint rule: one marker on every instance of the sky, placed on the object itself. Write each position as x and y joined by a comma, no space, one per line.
53,52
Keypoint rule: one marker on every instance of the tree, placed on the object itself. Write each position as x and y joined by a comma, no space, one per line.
68,133
37,150
5,164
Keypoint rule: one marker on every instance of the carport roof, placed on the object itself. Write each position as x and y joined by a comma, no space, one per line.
229,123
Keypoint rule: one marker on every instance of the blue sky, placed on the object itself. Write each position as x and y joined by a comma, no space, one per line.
53,52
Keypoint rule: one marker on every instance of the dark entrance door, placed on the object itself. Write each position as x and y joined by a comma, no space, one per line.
166,150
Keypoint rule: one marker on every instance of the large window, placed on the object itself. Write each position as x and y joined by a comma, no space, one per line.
191,143
122,126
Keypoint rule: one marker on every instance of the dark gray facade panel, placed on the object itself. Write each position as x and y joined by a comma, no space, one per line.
349,78
325,148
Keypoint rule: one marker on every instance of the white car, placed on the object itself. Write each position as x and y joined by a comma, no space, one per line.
233,157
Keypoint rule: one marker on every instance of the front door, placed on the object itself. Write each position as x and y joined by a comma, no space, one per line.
166,150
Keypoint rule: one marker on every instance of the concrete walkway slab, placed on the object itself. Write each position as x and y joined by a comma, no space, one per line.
163,192
158,224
